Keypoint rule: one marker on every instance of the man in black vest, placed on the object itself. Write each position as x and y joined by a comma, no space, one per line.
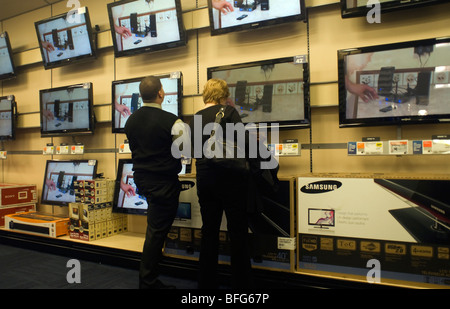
149,132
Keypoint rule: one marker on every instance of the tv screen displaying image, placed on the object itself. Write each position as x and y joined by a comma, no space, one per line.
139,26
354,8
126,98
7,118
267,92
67,110
7,68
66,38
321,217
127,198
58,188
392,84
237,15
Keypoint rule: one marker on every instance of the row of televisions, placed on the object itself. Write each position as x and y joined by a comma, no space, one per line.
141,26
391,84
61,176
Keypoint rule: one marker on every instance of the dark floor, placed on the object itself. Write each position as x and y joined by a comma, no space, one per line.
29,269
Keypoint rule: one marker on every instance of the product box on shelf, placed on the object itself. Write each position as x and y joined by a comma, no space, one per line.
16,194
38,224
97,191
14,210
345,222
95,221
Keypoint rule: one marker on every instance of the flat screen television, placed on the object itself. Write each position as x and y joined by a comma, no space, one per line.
272,92
321,218
126,98
428,218
7,67
58,188
238,15
66,38
67,110
141,26
127,198
8,113
356,8
394,84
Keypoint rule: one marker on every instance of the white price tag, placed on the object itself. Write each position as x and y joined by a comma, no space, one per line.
62,150
77,149
124,148
48,150
286,243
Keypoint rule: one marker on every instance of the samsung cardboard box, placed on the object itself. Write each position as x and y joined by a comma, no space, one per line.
344,223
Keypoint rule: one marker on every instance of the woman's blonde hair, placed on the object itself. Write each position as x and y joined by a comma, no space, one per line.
215,90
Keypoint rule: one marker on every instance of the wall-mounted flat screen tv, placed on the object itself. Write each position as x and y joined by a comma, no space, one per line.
128,199
66,38
394,84
356,8
8,113
58,188
67,110
238,15
7,68
126,98
140,26
272,92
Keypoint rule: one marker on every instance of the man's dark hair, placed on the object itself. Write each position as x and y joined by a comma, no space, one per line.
149,88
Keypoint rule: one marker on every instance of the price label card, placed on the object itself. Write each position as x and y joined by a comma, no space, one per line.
124,148
286,243
48,150
62,150
77,149
398,147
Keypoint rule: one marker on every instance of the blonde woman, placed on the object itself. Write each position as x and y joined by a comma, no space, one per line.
220,190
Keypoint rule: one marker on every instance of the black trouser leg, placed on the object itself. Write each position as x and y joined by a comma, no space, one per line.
162,199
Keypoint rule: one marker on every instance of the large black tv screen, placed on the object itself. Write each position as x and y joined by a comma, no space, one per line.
7,67
237,15
126,98
392,84
66,38
127,198
8,113
355,8
140,26
271,92
67,110
58,188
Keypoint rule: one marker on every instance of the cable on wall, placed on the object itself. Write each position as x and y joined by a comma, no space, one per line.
310,128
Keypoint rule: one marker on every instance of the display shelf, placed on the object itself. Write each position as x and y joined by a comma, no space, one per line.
128,241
